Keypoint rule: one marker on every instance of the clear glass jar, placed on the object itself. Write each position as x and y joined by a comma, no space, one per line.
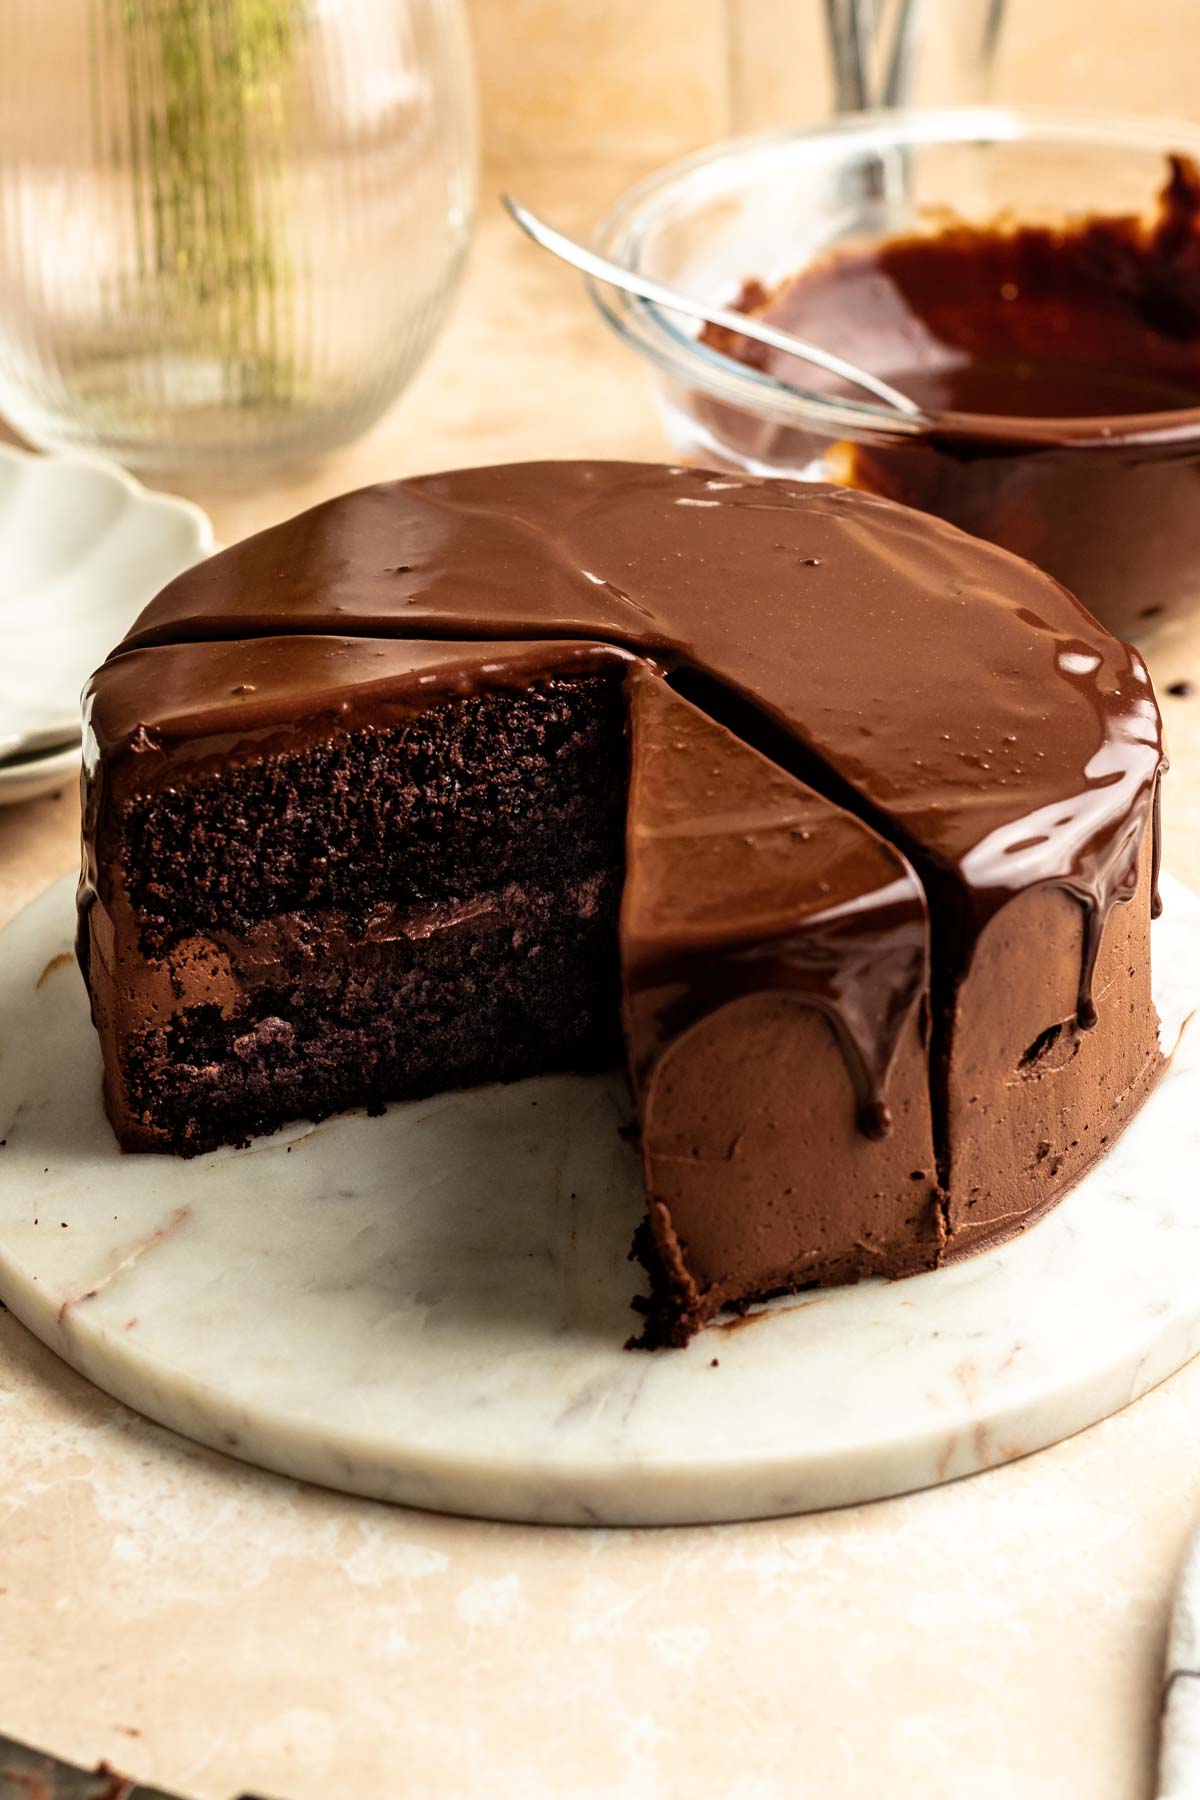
229,229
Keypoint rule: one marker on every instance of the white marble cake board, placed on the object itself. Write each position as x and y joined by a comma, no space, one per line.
429,1307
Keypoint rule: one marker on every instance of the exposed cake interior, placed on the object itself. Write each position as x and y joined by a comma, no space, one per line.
382,912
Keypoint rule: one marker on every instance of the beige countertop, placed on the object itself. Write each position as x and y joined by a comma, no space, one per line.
215,1629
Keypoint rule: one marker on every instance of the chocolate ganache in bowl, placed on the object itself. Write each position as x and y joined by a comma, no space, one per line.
1033,283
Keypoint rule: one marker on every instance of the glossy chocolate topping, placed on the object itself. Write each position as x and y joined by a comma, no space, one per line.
741,880
185,703
958,699
1047,334
1061,365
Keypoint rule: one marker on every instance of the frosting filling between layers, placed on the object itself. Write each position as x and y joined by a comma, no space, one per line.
228,1037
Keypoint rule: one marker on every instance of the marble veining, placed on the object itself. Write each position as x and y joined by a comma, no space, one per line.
429,1307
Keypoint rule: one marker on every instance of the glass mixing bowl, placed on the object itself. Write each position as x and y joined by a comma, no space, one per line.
1114,514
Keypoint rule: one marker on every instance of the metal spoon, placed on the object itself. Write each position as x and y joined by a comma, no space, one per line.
744,324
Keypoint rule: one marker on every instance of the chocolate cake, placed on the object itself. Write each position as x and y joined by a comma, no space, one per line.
827,809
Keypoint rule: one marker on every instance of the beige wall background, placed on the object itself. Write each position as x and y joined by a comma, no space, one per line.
640,80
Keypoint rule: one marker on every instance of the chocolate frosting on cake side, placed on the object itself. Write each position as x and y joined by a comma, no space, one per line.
758,919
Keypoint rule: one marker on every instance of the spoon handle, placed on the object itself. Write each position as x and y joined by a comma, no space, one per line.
744,324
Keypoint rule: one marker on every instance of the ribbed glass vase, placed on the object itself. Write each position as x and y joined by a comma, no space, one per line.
229,229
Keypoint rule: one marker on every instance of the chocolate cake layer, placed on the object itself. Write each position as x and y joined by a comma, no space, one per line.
384,794
972,722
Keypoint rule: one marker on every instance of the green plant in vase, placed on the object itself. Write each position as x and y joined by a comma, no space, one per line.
229,229
207,84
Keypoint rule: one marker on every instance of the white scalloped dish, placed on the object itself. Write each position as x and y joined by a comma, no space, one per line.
83,547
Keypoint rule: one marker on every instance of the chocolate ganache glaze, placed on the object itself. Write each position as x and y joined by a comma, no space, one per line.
870,691
1061,367
740,879
949,693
